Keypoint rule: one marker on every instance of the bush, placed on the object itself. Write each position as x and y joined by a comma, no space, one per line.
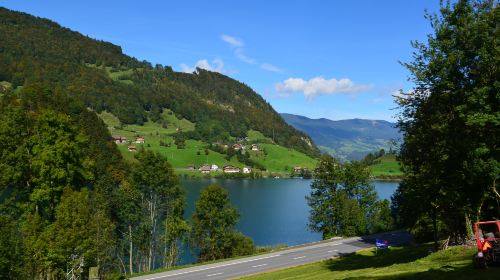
241,245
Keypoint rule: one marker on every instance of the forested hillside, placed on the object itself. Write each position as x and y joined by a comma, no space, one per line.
104,79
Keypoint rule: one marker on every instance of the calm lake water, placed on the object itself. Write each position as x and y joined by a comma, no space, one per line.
272,211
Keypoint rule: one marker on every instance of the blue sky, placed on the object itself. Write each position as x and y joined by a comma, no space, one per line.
332,59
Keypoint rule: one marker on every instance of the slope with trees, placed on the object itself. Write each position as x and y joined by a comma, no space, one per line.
103,78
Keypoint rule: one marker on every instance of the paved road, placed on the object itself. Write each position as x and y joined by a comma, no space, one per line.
279,259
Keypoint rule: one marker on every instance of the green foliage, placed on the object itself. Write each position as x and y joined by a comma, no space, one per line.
162,200
343,200
450,122
56,159
52,147
11,249
373,158
213,227
241,245
82,231
176,233
382,218
51,134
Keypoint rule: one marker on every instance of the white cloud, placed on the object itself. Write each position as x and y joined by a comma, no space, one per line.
270,67
216,66
320,86
243,57
237,45
234,42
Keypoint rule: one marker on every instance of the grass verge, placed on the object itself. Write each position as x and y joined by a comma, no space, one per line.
409,262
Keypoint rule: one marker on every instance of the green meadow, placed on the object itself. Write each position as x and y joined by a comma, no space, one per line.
387,167
275,158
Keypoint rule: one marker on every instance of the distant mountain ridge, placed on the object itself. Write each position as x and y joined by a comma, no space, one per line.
347,139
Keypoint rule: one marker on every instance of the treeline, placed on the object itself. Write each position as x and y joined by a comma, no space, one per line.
69,202
451,125
38,50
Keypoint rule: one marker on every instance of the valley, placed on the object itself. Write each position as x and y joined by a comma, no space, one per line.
349,139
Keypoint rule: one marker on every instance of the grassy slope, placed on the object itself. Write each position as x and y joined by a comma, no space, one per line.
154,132
388,166
411,262
278,159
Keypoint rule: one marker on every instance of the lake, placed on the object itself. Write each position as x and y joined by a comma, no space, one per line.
272,211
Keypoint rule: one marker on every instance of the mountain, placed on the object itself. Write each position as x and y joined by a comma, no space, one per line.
348,139
96,73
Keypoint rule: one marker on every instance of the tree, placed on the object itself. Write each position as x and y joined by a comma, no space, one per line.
56,160
382,219
11,250
176,232
213,231
129,214
82,232
342,198
160,196
176,228
450,122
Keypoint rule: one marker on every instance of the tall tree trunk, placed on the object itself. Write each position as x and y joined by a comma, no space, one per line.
468,228
494,188
123,268
131,250
152,239
173,254
478,218
165,248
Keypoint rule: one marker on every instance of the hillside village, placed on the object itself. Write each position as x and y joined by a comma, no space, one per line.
242,148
